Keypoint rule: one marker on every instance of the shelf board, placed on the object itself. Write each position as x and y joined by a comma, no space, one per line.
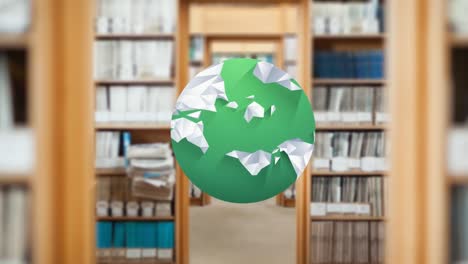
351,127
14,41
459,41
134,262
347,218
358,37
134,82
196,201
110,172
134,218
458,179
15,179
132,126
318,173
145,36
289,202
327,81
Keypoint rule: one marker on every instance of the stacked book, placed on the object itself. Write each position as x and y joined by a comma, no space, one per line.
133,60
335,18
347,242
345,151
135,16
290,55
348,196
14,215
149,104
135,241
151,168
349,105
367,64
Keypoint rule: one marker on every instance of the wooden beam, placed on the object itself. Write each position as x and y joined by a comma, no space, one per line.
182,220
303,184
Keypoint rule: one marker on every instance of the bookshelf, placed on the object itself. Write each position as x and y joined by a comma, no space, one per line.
309,226
157,127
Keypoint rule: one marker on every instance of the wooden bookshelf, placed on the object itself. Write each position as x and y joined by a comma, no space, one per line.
458,41
14,41
350,37
135,82
347,218
345,127
110,172
136,262
319,173
145,36
136,218
132,126
19,179
321,81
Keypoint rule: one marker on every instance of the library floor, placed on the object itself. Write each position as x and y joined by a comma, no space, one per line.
242,233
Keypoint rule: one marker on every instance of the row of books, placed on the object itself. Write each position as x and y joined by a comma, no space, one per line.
17,141
135,16
15,15
14,215
457,16
114,197
347,242
135,103
348,17
367,64
349,105
121,241
344,151
109,150
133,60
348,196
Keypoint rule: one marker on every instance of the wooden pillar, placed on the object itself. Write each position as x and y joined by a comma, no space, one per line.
303,184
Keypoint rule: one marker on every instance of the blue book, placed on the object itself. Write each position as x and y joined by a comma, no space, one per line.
103,234
119,241
119,235
132,240
165,239
127,140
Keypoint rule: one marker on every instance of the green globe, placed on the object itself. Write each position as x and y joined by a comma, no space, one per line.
243,130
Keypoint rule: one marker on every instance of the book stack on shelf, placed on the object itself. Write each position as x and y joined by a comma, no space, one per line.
352,196
151,242
17,134
365,64
332,18
348,197
347,242
350,152
349,105
147,194
134,89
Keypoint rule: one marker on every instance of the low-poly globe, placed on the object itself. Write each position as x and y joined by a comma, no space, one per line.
243,130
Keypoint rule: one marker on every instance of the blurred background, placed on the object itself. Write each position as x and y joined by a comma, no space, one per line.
87,90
